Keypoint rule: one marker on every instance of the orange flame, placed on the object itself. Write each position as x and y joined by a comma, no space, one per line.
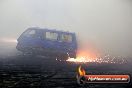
81,71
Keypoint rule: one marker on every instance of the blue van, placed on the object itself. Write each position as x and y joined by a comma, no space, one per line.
42,41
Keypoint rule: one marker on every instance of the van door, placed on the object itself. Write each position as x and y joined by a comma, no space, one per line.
27,37
50,41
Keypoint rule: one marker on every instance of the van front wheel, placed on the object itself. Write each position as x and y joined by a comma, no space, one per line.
30,54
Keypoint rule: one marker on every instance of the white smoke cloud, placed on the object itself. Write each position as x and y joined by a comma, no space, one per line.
104,23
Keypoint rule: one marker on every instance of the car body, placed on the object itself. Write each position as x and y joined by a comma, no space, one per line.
49,42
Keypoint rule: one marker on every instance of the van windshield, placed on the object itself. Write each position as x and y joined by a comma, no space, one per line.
66,38
30,33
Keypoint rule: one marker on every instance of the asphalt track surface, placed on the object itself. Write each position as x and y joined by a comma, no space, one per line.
46,72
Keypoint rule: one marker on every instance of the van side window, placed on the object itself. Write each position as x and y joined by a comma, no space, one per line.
51,35
66,38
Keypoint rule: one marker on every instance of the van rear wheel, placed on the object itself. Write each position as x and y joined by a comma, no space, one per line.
73,56
62,57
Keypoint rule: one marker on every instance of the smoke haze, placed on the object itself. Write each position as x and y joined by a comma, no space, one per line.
101,25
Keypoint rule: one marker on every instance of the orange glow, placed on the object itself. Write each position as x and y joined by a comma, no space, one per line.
83,56
81,71
86,54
